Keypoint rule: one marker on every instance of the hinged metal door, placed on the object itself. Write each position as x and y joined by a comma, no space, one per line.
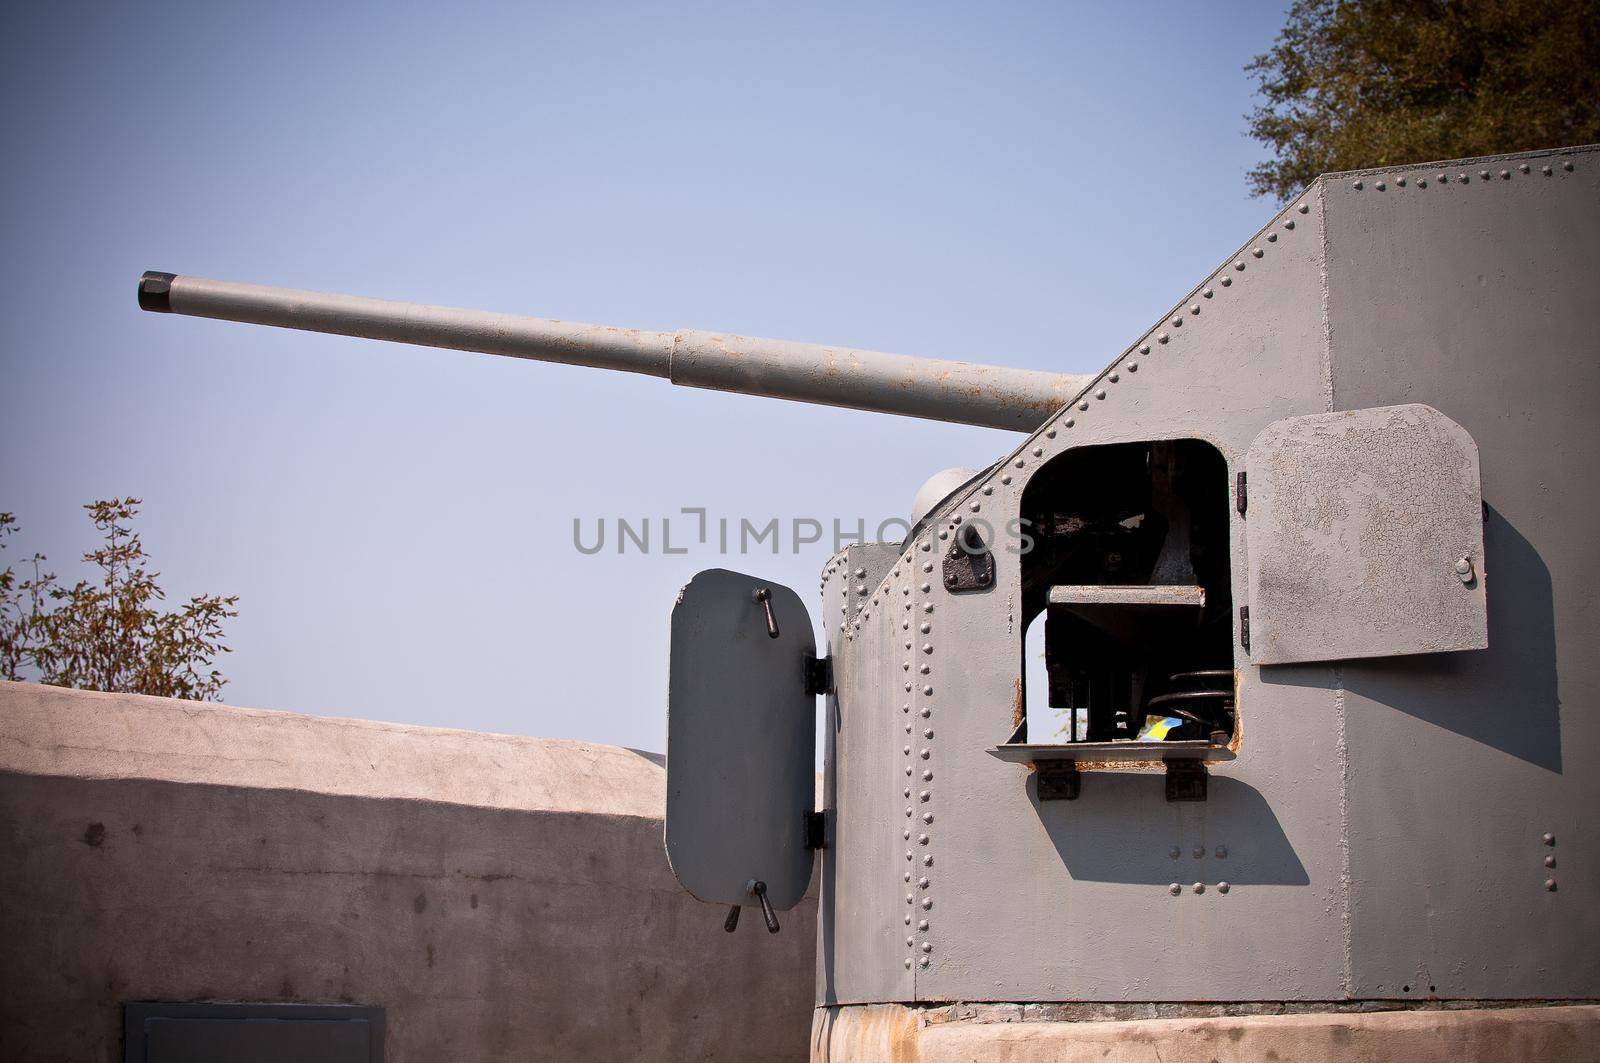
1365,534
741,739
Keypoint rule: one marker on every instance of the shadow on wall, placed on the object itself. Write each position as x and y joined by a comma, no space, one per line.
1504,697
1091,834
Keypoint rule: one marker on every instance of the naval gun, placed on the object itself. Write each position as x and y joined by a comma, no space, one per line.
959,392
1282,743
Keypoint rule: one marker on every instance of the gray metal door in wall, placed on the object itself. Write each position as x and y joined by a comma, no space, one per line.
252,1033
741,740
1365,530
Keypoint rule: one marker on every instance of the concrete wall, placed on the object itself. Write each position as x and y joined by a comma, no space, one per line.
501,897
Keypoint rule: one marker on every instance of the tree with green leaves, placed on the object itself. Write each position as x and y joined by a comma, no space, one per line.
1350,84
109,633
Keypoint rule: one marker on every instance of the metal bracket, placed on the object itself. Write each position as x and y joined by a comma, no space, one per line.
1244,627
1241,493
819,675
816,830
1186,780
1059,780
968,564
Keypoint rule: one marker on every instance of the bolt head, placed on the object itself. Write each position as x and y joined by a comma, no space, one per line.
1549,861
1548,838
1174,889
1199,887
1222,852
1550,884
1223,887
1174,852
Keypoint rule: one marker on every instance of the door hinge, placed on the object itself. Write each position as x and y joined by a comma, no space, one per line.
1241,493
819,675
1244,627
816,830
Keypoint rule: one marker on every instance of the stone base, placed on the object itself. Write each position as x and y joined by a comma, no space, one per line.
894,1033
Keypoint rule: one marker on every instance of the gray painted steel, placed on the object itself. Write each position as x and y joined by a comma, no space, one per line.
1365,537
741,741
1459,765
1381,827
961,392
860,908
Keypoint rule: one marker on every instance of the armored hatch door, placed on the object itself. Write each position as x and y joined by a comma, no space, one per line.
1365,535
741,739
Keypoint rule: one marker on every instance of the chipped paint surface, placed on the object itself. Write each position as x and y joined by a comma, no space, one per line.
1358,520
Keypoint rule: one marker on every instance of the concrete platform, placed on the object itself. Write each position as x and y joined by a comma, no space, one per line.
896,1034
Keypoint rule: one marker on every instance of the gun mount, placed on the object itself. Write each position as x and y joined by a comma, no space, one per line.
1256,569
958,392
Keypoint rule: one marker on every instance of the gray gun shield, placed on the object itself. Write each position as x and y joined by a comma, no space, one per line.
741,741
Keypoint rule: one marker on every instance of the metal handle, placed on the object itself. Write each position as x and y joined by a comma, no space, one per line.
760,890
764,596
731,923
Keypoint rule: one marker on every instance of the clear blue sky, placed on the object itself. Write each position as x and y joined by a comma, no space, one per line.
1025,184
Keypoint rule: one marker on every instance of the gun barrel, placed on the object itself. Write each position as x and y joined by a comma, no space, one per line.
958,392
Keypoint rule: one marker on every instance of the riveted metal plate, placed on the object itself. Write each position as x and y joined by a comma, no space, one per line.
1359,524
741,740
968,563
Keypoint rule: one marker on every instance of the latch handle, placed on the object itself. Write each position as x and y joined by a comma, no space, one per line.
760,890
764,596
